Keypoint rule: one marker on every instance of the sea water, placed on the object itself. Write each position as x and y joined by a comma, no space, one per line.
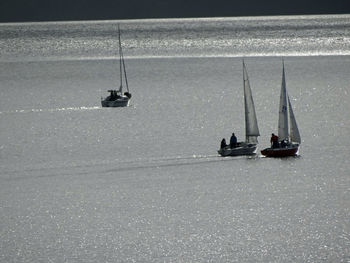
81,183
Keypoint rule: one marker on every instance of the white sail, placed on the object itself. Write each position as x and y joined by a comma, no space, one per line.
283,113
122,61
294,131
251,123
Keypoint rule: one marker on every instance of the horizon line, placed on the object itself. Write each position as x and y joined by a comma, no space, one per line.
172,19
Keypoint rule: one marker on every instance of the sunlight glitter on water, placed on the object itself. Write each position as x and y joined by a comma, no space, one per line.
54,110
145,183
264,36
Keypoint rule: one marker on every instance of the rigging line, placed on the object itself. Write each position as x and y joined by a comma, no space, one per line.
126,79
122,59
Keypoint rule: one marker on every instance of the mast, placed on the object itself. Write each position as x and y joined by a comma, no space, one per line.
120,62
283,113
251,123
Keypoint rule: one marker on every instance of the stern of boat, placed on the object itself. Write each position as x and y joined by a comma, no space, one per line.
291,150
241,149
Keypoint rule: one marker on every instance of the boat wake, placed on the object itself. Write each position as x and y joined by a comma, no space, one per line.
117,166
162,162
83,108
110,166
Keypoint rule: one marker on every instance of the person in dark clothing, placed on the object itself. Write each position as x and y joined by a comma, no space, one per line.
223,143
113,95
274,141
233,141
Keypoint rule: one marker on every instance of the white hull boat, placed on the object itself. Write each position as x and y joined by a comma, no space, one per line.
122,101
241,149
249,146
117,98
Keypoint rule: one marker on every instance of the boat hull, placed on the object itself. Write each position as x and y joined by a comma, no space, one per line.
120,102
281,152
241,149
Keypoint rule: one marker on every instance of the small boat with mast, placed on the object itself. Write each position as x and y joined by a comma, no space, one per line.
288,139
116,97
249,146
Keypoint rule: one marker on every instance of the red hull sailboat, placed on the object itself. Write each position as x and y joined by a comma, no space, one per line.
288,139
291,150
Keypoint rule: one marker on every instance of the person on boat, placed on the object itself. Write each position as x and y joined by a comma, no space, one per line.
128,94
112,96
233,141
117,92
223,143
274,141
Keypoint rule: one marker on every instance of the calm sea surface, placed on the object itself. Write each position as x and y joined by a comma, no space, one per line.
79,183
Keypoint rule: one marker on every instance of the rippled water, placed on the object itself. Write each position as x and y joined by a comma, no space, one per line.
251,36
81,183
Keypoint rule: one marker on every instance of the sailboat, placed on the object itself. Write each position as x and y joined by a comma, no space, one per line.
288,139
249,146
116,97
